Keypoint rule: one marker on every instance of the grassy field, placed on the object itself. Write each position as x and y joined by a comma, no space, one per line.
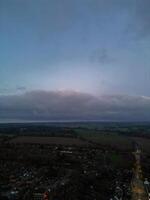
111,139
48,140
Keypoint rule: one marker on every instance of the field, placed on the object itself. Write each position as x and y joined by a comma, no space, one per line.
116,141
48,140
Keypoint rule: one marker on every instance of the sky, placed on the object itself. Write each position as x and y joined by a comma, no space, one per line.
75,59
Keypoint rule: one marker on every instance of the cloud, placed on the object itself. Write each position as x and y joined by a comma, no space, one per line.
101,56
136,13
143,18
8,90
21,88
56,105
139,25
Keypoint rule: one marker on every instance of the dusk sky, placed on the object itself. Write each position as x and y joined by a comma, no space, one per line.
75,59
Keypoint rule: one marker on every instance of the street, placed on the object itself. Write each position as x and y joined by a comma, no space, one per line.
138,190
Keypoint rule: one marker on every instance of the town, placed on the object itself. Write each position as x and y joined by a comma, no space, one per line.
64,166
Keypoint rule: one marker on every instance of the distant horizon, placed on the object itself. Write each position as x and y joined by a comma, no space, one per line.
69,121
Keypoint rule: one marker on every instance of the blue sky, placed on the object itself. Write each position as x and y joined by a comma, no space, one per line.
100,47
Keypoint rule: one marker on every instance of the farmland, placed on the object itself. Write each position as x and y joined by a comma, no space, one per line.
48,140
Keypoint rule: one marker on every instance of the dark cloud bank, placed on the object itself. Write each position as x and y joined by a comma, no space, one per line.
42,105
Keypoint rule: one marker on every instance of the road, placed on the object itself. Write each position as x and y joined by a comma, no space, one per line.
138,190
